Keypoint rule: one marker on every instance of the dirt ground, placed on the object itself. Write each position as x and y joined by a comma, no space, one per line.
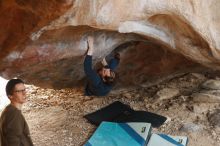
55,117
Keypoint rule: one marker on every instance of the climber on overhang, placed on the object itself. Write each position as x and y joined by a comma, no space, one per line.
100,82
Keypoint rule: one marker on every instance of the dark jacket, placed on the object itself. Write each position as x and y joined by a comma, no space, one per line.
95,85
13,128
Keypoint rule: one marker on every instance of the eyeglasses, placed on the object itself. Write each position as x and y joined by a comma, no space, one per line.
19,91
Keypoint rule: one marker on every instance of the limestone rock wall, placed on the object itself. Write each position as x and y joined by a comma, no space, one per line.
43,41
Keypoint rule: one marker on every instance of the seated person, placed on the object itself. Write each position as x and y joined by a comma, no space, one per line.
100,82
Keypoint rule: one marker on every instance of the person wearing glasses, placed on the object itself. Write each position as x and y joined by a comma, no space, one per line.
13,126
100,82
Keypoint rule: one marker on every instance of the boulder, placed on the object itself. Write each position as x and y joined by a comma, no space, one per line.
43,41
167,93
211,85
211,96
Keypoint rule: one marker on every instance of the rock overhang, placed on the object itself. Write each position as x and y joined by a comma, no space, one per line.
165,40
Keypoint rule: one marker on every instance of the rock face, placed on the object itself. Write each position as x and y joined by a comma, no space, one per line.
43,41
